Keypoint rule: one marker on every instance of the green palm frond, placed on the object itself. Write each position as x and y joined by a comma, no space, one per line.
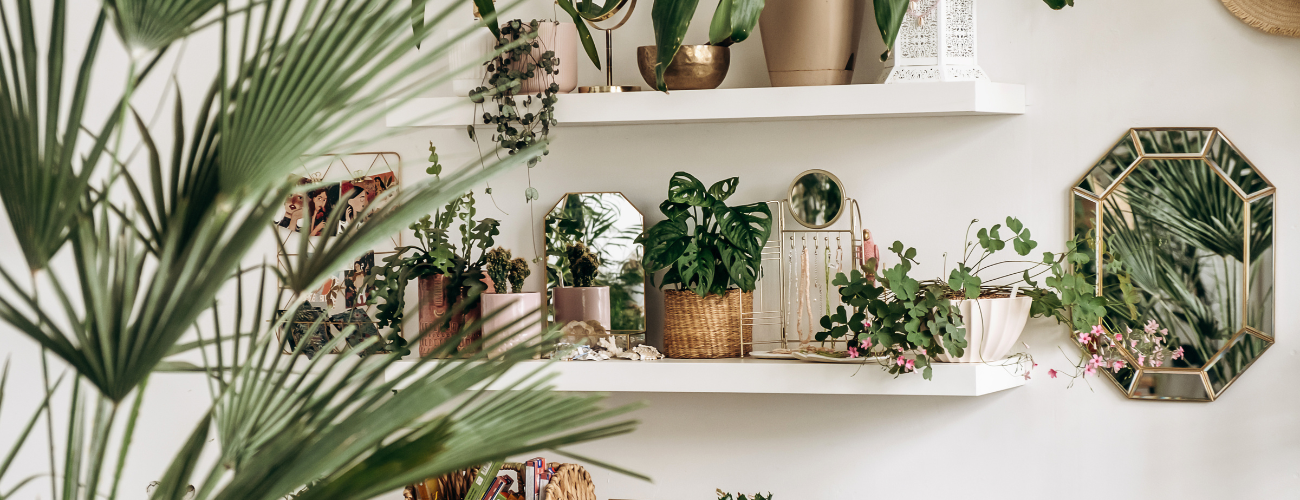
154,24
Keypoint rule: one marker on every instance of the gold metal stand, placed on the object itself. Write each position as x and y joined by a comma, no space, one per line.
609,86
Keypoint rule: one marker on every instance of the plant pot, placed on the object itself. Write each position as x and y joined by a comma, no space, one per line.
695,67
582,303
474,49
561,38
436,302
709,327
811,43
516,314
992,328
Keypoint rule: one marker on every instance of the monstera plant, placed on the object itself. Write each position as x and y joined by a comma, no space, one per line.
705,245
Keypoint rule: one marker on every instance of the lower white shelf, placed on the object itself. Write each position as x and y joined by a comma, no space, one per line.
758,376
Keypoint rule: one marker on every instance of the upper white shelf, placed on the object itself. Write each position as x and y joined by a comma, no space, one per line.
753,104
757,376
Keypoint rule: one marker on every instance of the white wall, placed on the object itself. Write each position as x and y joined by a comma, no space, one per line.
1091,72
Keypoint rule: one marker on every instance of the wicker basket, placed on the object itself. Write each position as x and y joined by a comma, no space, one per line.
707,327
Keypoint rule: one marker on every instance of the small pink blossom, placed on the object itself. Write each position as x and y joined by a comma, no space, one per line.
1090,370
900,361
1142,359
1096,361
1178,353
1117,366
1133,344
866,343
1051,373
1164,331
911,365
1156,362
1084,338
1119,337
1151,326
921,350
1098,330
853,352
1027,374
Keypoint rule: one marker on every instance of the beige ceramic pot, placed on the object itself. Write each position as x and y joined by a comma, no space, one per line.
695,67
512,314
811,42
562,38
582,303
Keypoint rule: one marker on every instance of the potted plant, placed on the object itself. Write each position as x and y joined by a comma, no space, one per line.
449,276
686,67
713,253
582,300
507,313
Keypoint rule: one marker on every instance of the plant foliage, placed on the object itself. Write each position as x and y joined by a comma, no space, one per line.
733,22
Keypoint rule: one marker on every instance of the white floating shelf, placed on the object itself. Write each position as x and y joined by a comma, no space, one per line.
731,105
757,376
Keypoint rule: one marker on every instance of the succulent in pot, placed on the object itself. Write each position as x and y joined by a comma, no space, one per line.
450,277
712,252
582,301
507,315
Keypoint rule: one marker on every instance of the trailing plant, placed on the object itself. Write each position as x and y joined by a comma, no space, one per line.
143,253
733,22
499,267
705,245
515,123
722,495
436,253
583,265
909,322
519,272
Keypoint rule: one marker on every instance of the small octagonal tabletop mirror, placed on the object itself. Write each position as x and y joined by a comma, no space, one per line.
1183,216
816,199
606,226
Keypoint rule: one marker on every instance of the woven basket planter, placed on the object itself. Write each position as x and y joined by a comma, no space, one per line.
707,327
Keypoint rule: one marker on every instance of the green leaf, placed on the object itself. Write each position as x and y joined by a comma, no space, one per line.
685,188
671,18
1059,4
889,18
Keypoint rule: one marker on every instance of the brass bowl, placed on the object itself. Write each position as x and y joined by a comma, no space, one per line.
695,67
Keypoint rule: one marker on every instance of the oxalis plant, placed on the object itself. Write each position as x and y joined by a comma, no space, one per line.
158,269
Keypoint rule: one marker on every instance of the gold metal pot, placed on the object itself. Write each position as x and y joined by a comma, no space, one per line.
694,67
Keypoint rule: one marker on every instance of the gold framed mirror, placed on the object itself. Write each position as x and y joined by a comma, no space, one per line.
816,199
606,224
1189,221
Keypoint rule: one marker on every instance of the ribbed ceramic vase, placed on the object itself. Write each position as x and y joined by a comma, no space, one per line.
562,38
472,51
514,314
811,42
582,303
992,328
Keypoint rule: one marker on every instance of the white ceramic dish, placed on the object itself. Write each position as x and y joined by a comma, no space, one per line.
771,355
818,358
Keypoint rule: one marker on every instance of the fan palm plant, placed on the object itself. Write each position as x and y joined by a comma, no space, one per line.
145,249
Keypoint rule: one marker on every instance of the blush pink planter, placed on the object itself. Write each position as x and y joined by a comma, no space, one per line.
562,38
992,328
517,314
582,303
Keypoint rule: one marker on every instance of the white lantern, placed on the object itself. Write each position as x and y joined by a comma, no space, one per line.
936,43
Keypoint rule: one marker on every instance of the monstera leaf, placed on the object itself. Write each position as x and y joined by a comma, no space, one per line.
705,245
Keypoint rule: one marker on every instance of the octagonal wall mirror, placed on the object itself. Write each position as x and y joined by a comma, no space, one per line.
1188,220
607,225
816,199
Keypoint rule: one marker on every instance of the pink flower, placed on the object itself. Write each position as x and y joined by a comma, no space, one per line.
1119,337
1142,359
853,352
1178,353
900,361
1026,374
1164,331
1156,362
866,343
1117,366
1151,326
911,365
1090,370
1098,330
921,350
1084,338
1096,361
1051,373
1133,344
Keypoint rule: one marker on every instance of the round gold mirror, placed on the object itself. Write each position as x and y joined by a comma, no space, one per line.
816,199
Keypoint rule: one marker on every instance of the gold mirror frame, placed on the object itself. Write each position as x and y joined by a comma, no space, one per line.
1112,206
789,198
547,264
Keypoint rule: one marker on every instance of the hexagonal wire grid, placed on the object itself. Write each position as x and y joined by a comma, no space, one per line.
1192,221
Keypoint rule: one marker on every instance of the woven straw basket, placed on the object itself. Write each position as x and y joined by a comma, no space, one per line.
1277,17
706,327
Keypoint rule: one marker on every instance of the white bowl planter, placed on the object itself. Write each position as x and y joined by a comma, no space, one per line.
992,328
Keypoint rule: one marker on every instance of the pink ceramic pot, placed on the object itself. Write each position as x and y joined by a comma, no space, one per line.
582,303
516,314
563,39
